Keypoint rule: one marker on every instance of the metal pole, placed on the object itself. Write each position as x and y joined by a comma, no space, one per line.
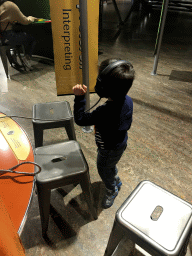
165,5
85,53
100,17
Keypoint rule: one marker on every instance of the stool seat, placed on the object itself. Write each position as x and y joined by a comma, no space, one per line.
155,219
59,161
51,111
61,164
52,115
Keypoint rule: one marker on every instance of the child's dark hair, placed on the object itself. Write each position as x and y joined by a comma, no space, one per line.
119,80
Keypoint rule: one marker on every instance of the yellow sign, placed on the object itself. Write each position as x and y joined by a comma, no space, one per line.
67,43
15,138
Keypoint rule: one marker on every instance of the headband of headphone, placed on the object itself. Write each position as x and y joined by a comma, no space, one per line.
101,88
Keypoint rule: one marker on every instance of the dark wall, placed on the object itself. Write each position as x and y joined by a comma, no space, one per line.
36,8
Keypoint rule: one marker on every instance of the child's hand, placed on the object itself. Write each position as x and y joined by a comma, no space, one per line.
79,89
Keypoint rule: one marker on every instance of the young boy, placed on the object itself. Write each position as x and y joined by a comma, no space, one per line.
112,120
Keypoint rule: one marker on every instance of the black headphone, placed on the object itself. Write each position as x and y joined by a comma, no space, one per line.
102,88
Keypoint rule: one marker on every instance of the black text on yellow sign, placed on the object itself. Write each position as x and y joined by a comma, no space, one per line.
67,43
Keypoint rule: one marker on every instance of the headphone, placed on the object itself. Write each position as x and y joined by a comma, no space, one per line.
101,87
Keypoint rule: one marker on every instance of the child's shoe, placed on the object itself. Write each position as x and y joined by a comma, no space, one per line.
118,182
109,197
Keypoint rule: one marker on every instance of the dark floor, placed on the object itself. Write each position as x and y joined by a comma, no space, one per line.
160,139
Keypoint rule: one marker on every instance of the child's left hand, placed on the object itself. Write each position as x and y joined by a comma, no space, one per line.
79,89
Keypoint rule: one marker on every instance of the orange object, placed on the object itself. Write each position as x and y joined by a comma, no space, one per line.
10,243
15,189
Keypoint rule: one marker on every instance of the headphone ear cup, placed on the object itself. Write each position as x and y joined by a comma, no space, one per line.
99,88
102,87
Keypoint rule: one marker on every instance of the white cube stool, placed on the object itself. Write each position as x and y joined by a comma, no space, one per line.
154,219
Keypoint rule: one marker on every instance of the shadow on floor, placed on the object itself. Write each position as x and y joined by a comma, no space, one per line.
66,219
163,110
183,76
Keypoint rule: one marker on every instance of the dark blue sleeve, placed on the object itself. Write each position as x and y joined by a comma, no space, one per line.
82,118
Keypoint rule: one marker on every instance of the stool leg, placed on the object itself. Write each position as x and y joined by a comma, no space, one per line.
44,196
85,185
114,239
184,249
69,126
38,135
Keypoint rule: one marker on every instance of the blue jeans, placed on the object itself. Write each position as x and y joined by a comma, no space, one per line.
13,38
106,165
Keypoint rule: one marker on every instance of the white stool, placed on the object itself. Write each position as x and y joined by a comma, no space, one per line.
154,219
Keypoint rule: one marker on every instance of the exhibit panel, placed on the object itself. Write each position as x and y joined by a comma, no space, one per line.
67,39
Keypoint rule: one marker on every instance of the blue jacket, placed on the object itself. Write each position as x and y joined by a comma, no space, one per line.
112,120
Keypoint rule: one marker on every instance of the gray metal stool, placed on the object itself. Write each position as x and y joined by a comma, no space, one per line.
62,164
52,115
154,219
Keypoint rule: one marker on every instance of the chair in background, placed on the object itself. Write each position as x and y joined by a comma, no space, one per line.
3,52
62,164
154,219
52,115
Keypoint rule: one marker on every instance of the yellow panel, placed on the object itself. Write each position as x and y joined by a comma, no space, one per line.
66,42
65,31
15,137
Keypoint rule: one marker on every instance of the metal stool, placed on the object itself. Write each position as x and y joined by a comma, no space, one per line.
154,219
52,115
62,164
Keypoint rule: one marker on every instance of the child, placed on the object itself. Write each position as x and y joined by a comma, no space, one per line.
112,120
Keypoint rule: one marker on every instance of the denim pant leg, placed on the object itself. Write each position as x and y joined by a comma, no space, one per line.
17,38
106,165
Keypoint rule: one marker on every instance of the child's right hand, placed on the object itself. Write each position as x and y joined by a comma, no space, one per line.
79,89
